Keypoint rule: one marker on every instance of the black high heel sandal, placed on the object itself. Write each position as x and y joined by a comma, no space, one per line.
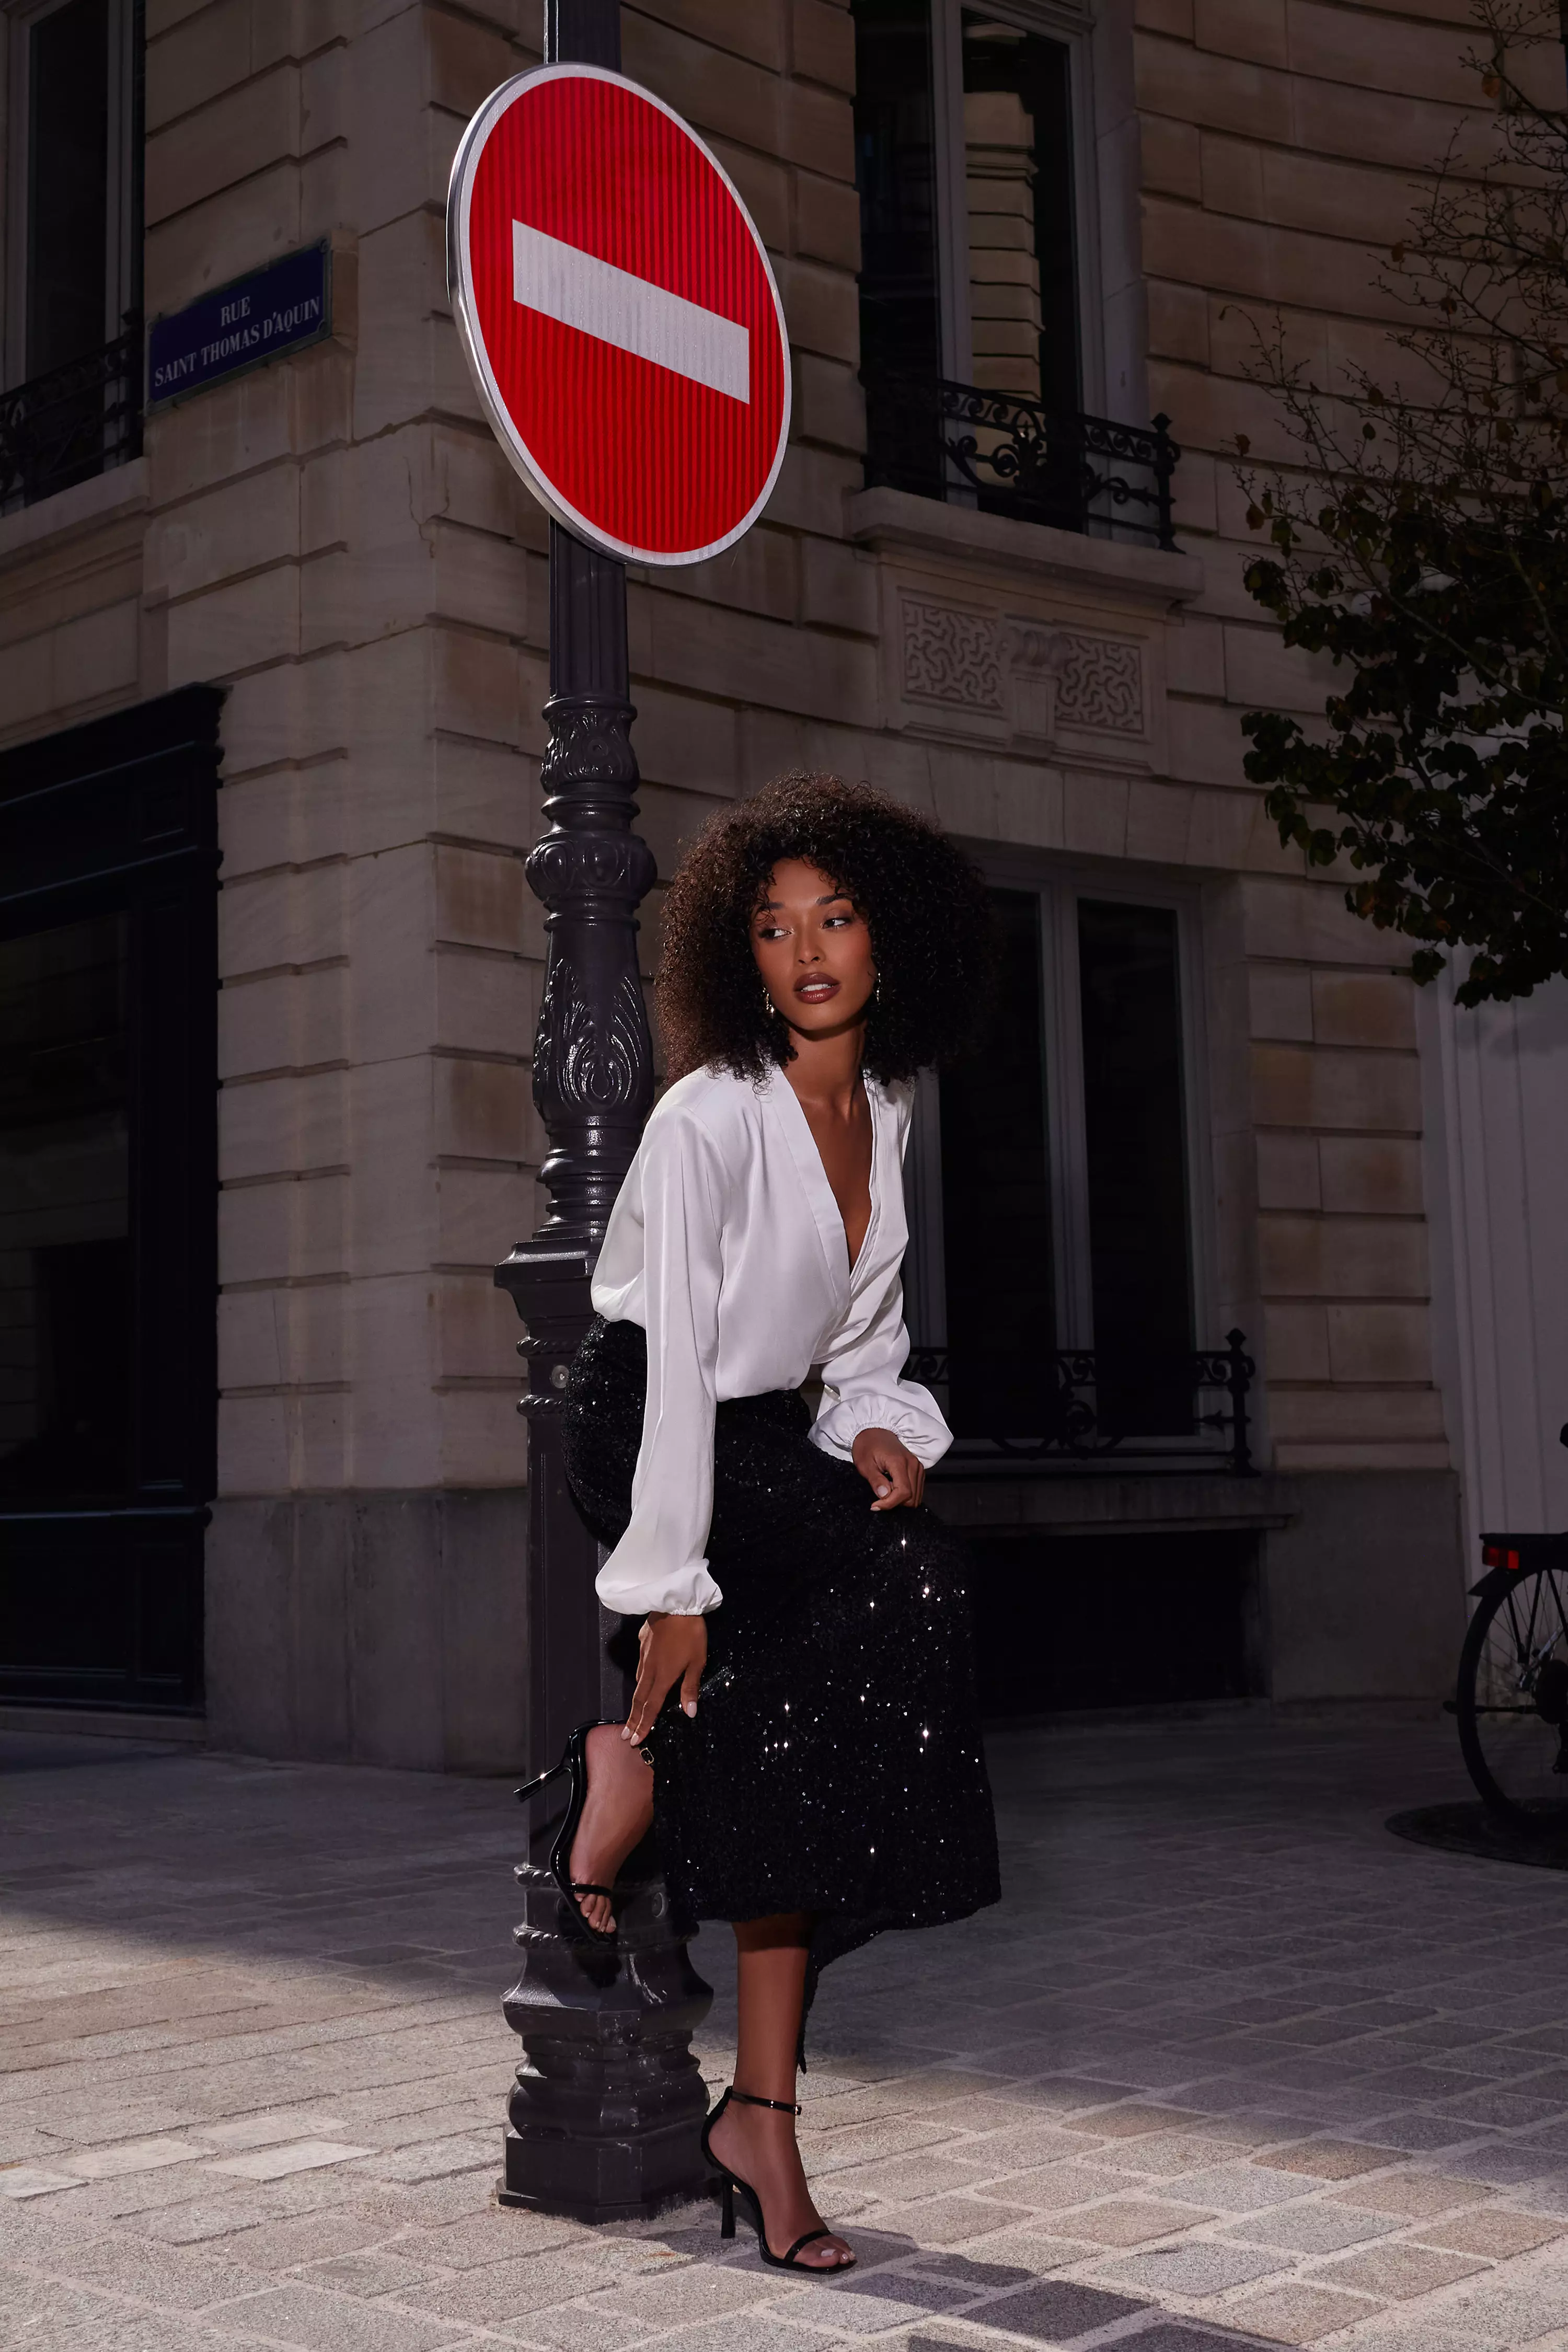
574,1762
731,2181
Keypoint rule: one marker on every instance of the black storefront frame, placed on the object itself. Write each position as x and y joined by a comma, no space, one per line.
120,815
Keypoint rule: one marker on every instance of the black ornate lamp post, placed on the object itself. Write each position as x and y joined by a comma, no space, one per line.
604,2118
593,1082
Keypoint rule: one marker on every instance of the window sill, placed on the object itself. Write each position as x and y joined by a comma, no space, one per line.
119,490
898,519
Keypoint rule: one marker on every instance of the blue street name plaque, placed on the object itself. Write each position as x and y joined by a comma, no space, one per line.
280,309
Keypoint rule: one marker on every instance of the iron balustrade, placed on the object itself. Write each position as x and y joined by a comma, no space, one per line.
1010,456
74,422
1085,1418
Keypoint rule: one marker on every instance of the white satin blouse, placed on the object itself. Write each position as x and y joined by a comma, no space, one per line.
726,1245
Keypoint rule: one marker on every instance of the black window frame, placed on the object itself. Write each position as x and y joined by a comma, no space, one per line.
954,409
64,420
1064,1312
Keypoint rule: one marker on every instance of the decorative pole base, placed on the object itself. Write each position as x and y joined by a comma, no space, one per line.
602,2122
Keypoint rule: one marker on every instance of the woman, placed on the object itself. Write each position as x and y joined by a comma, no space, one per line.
805,1690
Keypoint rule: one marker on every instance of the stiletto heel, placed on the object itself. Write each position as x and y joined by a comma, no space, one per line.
732,2184
575,1765
533,1788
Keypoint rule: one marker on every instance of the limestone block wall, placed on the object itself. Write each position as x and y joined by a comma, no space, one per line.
1283,142
338,540
73,637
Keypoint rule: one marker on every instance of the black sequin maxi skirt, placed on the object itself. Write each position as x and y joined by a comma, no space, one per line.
834,1765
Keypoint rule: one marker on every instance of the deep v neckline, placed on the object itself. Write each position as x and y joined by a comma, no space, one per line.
819,1189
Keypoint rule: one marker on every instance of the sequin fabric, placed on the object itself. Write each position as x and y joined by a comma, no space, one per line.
834,1765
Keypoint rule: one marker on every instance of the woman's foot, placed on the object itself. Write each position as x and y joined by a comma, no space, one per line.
758,2145
617,1814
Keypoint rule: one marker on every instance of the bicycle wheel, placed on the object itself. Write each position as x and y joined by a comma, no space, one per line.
1512,1696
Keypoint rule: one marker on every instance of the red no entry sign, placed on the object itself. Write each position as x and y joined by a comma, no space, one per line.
619,315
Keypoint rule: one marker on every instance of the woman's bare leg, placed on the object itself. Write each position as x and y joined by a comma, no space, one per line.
757,2144
617,1816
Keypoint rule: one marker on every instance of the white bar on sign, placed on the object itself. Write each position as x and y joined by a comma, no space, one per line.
593,296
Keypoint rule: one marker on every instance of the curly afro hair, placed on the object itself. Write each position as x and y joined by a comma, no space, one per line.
923,902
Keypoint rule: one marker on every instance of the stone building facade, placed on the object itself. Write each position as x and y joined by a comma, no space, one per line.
334,540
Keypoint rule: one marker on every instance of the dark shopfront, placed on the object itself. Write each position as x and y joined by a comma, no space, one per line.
107,1206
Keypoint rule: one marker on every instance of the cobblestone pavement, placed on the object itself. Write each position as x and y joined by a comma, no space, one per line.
1230,2066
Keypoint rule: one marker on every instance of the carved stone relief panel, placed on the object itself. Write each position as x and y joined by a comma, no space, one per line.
1028,681
950,656
1100,683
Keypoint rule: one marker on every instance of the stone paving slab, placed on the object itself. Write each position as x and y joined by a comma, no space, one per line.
1229,2068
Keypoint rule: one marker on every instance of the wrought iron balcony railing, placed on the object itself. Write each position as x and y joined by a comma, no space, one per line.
1136,1415
75,421
1010,456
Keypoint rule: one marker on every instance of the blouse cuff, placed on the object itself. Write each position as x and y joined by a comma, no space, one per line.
687,1592
839,1426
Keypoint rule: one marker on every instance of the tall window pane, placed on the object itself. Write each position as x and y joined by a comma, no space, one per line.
68,184
900,337
996,1206
1017,141
64,1212
1135,1128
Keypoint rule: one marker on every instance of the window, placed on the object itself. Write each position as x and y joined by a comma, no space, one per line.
966,158
73,242
65,1299
980,307
895,148
1053,1177
1020,268
108,1204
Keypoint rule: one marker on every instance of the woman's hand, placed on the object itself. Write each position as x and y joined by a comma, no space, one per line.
669,1650
894,1474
